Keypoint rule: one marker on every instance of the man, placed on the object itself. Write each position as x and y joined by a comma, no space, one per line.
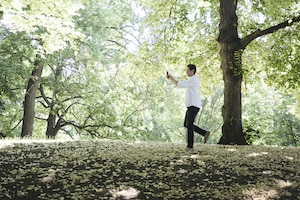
193,103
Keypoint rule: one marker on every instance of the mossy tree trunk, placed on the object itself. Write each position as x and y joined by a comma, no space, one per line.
232,74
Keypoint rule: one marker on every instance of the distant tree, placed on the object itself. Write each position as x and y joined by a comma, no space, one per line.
54,98
76,92
52,27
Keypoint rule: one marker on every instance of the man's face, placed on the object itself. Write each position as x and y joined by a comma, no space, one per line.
189,72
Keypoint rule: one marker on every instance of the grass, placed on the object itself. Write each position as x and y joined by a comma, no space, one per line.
107,169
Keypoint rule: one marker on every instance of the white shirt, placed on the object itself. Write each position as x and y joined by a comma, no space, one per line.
192,86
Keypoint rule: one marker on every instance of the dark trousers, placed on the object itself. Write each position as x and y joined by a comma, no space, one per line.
190,116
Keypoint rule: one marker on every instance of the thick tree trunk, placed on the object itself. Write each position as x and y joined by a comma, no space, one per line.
29,103
231,53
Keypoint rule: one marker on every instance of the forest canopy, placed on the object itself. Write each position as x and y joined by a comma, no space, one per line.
96,69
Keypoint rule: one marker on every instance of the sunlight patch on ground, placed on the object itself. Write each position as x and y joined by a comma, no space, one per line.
7,144
283,184
260,193
124,192
50,176
267,172
289,157
29,141
257,154
11,142
231,150
195,156
182,171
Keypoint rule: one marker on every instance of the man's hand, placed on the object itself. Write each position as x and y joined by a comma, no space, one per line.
170,77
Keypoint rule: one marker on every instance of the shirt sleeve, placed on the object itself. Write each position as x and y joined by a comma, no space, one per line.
187,83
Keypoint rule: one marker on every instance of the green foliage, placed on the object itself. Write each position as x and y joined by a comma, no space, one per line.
255,15
283,61
52,24
270,117
92,72
180,33
106,26
15,61
276,54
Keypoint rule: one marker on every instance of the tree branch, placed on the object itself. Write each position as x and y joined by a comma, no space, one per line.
258,33
87,126
72,98
66,110
68,133
40,118
17,125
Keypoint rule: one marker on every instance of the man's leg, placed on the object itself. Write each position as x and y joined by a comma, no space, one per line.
199,130
189,124
202,132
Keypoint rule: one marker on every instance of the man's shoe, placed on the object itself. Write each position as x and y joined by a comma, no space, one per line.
189,148
206,136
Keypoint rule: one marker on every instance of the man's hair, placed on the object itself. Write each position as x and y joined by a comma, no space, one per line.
192,67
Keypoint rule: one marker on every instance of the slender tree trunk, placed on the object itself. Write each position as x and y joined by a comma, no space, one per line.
29,103
231,65
1,135
52,126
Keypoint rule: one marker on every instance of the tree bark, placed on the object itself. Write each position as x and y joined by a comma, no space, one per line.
231,65
29,103
52,126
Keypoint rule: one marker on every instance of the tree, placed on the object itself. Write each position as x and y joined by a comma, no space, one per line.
61,96
53,28
184,31
76,93
232,48
111,83
30,95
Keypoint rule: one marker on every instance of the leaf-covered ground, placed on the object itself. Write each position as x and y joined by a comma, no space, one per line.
121,170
